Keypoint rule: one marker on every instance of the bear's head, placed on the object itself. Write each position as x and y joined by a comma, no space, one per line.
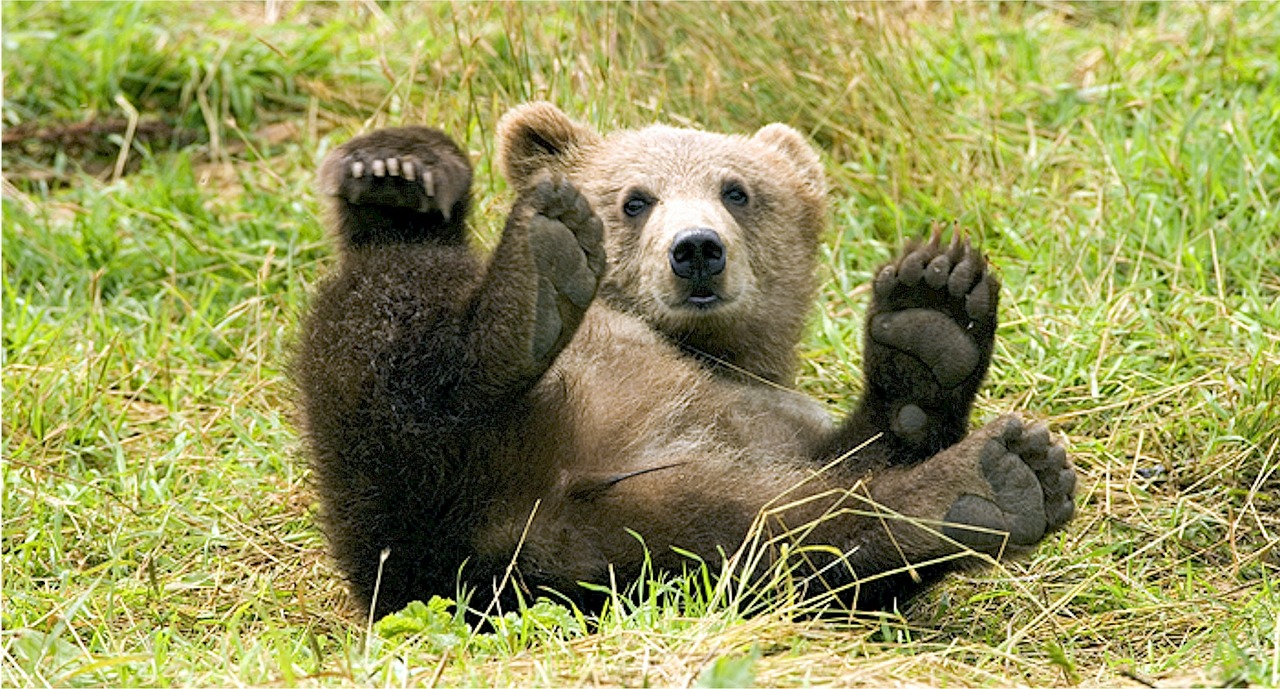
711,238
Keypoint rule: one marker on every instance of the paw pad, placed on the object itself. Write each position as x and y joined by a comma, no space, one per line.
567,241
1031,491
928,341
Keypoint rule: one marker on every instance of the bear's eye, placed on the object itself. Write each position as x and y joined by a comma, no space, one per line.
735,195
634,205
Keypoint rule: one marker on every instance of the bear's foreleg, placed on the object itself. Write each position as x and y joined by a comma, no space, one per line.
398,415
406,184
540,281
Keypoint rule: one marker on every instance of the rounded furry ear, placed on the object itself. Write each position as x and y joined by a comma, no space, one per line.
794,147
538,136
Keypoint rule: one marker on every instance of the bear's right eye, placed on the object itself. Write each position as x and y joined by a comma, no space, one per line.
634,205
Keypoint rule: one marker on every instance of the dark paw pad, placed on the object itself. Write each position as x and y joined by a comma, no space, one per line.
567,241
910,421
937,305
1031,492
928,343
931,337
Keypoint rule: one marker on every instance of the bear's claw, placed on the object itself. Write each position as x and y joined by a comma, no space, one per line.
406,167
362,191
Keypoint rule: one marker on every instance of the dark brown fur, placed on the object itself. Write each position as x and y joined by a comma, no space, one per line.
539,408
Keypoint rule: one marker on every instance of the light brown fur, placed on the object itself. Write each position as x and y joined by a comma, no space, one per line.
772,272
589,400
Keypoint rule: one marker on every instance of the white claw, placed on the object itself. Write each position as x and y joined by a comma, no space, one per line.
428,184
379,168
410,171
357,170
393,167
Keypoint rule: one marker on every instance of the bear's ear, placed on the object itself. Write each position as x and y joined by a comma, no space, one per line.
537,136
794,147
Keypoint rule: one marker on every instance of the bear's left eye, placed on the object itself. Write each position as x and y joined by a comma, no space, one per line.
735,195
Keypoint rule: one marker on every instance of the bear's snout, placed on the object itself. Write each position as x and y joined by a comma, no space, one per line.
697,254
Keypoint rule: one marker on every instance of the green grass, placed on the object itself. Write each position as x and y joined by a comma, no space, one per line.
1120,163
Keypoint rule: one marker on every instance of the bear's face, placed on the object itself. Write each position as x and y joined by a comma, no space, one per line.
708,236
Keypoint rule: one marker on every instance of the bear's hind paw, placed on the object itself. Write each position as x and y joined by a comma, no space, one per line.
1031,487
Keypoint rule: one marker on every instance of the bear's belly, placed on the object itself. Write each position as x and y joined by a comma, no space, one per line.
624,427
622,398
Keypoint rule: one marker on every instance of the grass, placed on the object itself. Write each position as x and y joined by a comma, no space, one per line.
1120,163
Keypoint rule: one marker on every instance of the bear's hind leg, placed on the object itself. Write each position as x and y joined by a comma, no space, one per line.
998,492
929,337
874,538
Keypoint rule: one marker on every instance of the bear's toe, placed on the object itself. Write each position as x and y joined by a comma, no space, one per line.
952,279
557,199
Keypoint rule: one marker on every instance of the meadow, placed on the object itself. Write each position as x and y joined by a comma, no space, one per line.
1119,163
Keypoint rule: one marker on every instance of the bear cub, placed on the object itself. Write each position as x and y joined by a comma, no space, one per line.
611,385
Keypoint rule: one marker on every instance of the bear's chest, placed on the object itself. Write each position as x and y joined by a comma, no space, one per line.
623,398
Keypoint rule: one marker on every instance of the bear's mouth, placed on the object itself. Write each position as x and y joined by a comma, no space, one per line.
702,297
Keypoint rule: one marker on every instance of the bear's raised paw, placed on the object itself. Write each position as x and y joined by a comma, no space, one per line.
567,242
929,339
414,168
937,305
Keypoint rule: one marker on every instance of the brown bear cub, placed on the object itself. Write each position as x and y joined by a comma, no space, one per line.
611,384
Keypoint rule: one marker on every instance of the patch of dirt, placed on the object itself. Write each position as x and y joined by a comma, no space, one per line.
38,152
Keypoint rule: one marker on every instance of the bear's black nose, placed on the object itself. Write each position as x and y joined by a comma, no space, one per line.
697,254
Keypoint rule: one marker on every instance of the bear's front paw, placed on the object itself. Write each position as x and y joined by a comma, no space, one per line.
929,340
1027,490
408,167
567,242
